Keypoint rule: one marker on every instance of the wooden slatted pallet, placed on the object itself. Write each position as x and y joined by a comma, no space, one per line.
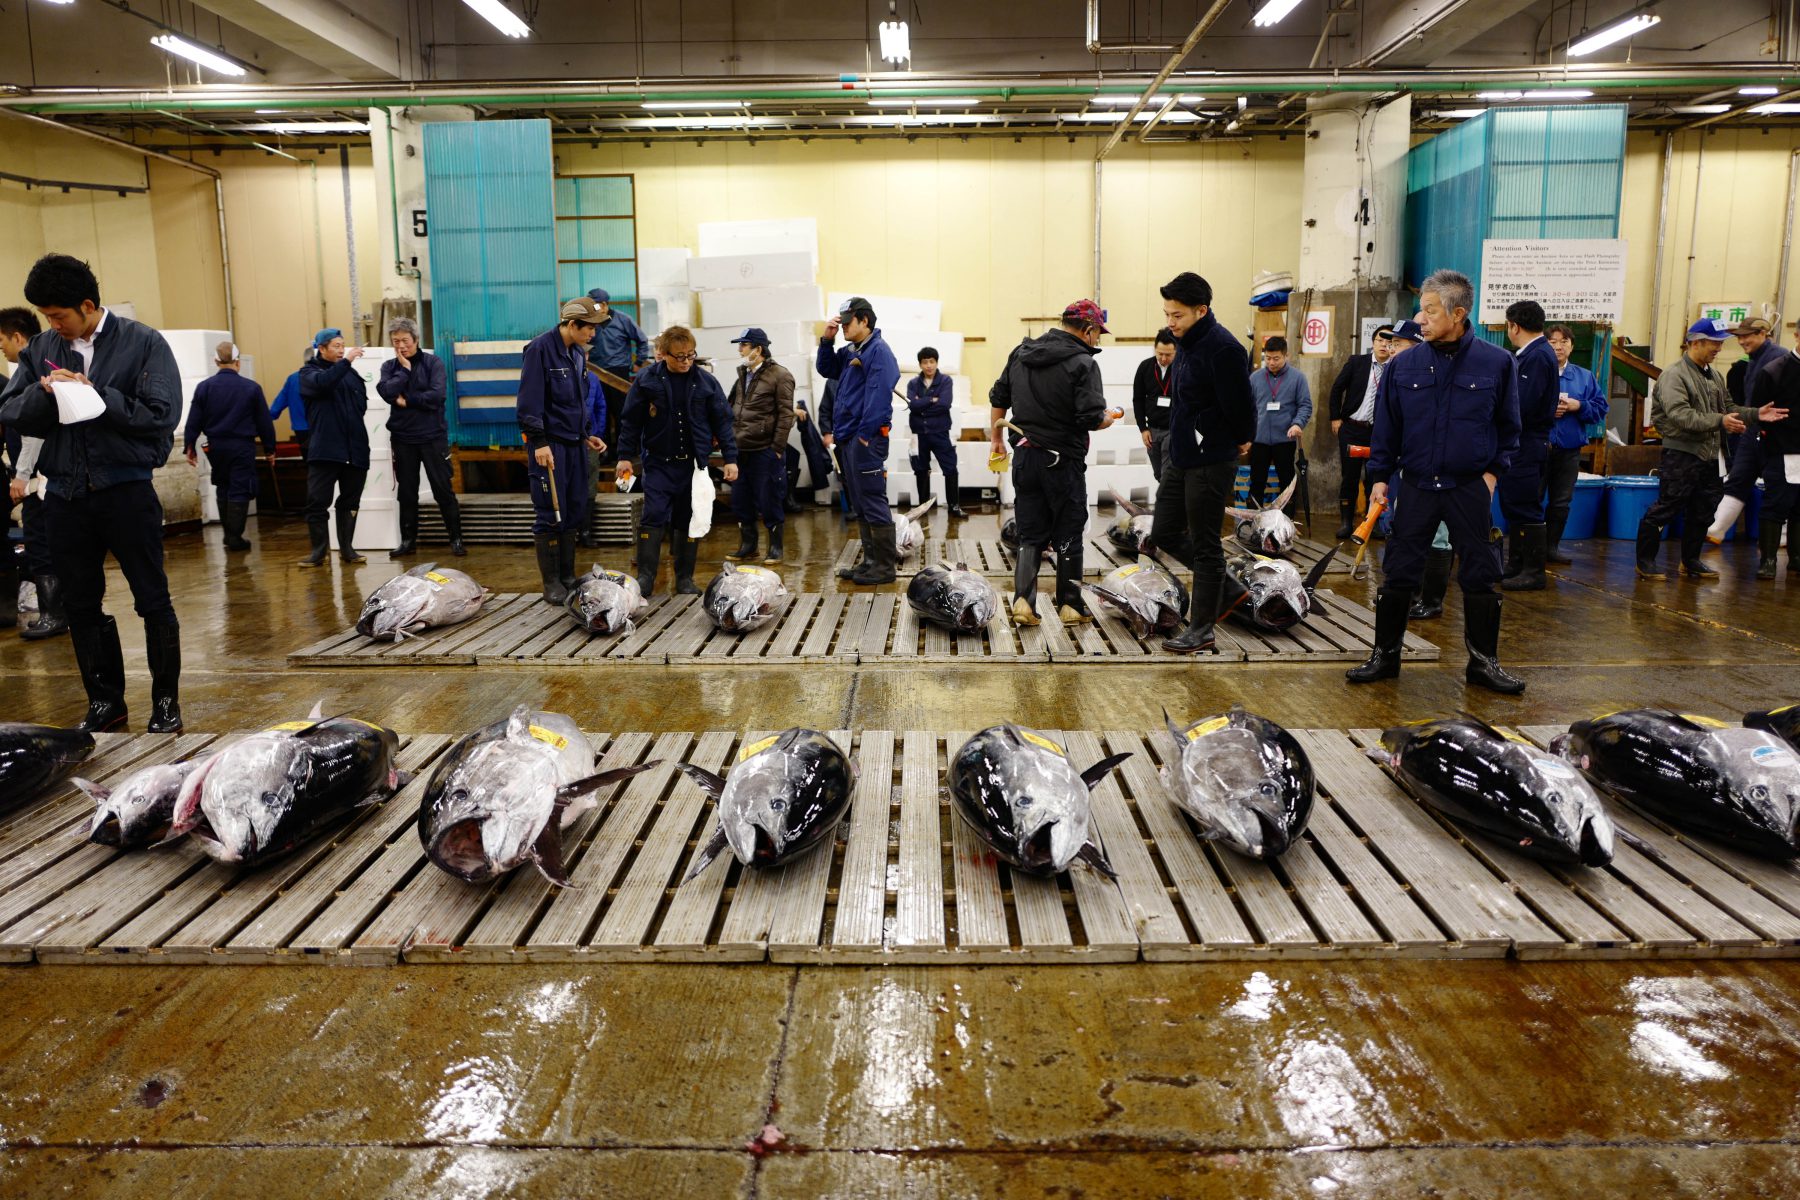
517,629
506,519
1377,874
989,556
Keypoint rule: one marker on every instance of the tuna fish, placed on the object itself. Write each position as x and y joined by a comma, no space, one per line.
1267,530
1020,794
1739,786
272,791
1150,599
606,602
503,795
783,796
424,598
34,756
140,810
1130,530
741,598
955,598
1009,538
909,535
1245,780
1511,791
1269,592
1784,723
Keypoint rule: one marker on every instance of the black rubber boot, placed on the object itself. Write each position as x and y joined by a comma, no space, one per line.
409,528
746,542
687,553
1346,519
320,532
921,489
867,538
953,495
1696,568
9,588
1515,553
346,530
649,557
1530,577
102,664
1793,544
775,547
549,564
453,526
1203,611
1649,541
1553,534
162,647
1391,606
1433,585
1481,633
565,559
233,517
1768,541
880,557
51,619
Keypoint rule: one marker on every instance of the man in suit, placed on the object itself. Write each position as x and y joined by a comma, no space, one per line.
1353,419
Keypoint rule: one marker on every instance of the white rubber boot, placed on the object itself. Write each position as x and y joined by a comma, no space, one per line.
1730,509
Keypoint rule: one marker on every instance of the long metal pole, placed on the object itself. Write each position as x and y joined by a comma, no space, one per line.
1687,291
1175,60
1097,195
1787,242
350,245
1662,239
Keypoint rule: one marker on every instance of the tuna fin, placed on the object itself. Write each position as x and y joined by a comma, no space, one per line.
1469,716
1099,771
98,793
1242,514
423,569
1287,493
710,783
1639,844
1125,504
1318,572
547,854
518,724
1174,731
576,798
1381,756
962,566
1092,856
318,711
726,568
707,853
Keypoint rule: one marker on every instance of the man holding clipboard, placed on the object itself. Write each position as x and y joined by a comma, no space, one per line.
104,393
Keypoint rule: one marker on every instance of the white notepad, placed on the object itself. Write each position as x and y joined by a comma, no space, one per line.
76,402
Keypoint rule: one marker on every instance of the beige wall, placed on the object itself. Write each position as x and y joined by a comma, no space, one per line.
1742,176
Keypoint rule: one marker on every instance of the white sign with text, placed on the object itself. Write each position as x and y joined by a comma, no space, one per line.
1575,279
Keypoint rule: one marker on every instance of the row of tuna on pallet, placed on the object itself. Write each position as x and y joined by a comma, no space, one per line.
1237,851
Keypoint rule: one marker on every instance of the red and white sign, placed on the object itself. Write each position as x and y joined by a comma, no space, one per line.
1315,331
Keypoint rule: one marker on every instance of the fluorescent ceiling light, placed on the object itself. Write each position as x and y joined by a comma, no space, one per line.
1759,91
1618,32
1498,95
693,105
501,17
1274,10
61,1
1128,101
896,43
928,101
307,127
1538,94
1704,109
168,43
1459,114
1780,109
1094,117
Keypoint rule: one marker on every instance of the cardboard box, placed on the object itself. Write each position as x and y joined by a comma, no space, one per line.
735,271
761,306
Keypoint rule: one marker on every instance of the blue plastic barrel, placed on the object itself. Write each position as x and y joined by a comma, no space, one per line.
1628,498
1584,509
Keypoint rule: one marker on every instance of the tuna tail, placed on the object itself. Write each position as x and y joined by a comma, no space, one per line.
576,798
547,855
1175,734
1100,770
709,783
1093,857
710,851
1318,572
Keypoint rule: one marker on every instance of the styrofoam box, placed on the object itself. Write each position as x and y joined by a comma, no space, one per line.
194,348
1119,364
674,306
906,341
762,306
718,238
897,311
662,267
726,272
377,524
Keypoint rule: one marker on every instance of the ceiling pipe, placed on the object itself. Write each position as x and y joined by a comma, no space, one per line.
1144,133
1748,110
1096,46
1175,60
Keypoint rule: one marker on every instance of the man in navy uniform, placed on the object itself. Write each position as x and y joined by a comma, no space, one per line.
1522,487
553,415
929,395
1447,424
862,415
232,414
620,348
98,471
672,416
415,384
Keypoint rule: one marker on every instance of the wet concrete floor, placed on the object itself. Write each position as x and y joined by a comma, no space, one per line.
1371,1079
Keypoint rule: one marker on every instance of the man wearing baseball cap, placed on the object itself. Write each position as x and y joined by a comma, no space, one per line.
762,414
1052,394
621,348
1691,412
553,416
862,414
1744,453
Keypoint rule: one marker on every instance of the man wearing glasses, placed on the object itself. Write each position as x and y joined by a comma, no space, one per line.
672,416
553,415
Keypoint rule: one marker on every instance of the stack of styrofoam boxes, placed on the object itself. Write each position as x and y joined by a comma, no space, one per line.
179,486
1117,457
378,519
664,298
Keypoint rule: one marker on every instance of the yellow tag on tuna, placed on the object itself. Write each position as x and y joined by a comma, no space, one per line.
751,571
549,736
290,726
437,578
1706,721
1045,743
1206,727
1133,569
756,747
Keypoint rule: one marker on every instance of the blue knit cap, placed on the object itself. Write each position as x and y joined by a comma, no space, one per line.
325,335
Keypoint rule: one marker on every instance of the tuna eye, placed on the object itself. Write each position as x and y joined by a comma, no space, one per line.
1267,789
1023,802
1553,797
1759,792
777,805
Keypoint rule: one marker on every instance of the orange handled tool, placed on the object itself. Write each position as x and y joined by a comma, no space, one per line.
1362,532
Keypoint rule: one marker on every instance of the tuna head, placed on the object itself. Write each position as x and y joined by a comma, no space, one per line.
394,608
139,811
1244,779
785,794
908,536
1017,789
1784,723
490,811
971,599
1148,597
245,792
1761,773
741,598
1267,530
605,602
1277,596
